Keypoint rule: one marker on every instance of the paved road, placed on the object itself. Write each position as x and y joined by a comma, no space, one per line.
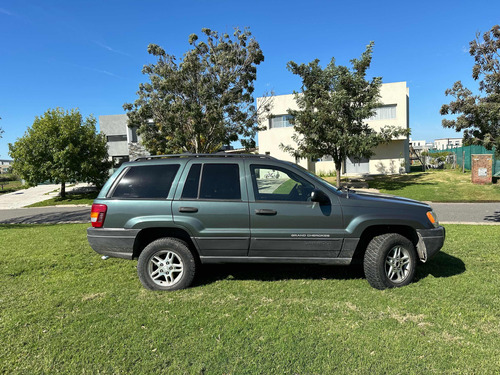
482,213
46,215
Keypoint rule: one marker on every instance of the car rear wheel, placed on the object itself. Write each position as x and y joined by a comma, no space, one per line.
166,264
390,261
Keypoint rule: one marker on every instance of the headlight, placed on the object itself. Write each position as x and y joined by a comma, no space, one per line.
431,215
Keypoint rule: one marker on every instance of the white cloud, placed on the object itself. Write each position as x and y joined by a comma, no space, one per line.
106,47
5,11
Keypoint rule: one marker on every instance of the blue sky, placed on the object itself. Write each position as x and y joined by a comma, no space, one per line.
89,54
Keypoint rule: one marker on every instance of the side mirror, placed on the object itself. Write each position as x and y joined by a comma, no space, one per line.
319,196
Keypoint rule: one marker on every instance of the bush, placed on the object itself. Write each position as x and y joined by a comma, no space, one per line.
8,177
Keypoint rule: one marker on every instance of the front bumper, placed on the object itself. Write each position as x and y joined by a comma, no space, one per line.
430,241
118,243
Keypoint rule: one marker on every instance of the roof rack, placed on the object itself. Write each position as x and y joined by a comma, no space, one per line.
215,155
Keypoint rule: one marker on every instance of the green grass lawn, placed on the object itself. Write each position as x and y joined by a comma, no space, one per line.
10,186
445,185
64,310
73,199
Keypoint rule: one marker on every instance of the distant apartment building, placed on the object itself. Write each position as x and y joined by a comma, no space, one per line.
5,165
123,142
417,145
388,158
445,143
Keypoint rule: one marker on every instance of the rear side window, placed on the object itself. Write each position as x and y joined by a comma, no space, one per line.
192,183
218,181
146,182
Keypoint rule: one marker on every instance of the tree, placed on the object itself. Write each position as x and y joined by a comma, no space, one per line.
61,147
203,102
479,116
334,104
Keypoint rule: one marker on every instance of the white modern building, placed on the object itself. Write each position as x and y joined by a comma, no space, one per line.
5,165
388,158
417,145
445,143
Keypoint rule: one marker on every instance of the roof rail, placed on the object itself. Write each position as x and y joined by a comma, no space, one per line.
215,155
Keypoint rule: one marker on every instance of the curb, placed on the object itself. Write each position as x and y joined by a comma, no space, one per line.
468,222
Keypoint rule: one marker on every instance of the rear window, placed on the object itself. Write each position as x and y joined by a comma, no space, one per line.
218,181
146,182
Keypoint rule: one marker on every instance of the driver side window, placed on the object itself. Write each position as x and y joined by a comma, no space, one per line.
278,184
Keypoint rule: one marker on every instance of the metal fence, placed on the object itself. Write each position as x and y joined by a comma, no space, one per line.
463,156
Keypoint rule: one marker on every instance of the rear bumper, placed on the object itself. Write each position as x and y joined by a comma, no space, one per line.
118,243
430,241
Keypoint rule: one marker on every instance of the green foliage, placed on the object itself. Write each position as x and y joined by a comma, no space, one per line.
204,102
326,174
479,116
64,310
8,177
61,147
334,105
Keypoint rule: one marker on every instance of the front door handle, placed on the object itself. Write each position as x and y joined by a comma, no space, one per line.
188,209
265,211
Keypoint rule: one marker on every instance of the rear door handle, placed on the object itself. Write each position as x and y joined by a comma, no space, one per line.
266,211
188,209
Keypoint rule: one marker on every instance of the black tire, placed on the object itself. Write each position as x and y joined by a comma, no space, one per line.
166,264
390,261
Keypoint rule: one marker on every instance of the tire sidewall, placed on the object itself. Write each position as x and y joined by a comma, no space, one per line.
175,246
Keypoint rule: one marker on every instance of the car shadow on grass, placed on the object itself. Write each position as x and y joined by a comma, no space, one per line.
442,265
272,272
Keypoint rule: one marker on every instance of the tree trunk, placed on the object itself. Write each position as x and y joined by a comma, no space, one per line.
63,190
337,172
338,167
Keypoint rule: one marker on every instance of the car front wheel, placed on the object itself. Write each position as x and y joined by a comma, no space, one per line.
390,261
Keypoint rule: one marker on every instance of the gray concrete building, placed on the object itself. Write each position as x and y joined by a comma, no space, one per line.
123,142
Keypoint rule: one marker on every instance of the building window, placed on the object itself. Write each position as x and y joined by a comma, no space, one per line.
116,138
133,135
282,121
386,112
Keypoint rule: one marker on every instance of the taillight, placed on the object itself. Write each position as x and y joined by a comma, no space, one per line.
98,214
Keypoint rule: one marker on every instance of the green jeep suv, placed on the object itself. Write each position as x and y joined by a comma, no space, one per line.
175,213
